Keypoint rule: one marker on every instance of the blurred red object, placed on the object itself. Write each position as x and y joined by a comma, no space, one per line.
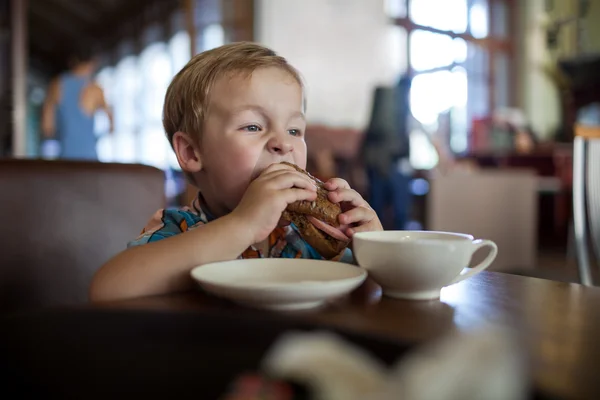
480,135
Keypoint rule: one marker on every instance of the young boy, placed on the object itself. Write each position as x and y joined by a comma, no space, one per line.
232,114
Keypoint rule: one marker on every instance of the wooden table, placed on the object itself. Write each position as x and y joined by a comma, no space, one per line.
558,323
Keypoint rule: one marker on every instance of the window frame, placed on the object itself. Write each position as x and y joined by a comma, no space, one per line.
496,44
492,44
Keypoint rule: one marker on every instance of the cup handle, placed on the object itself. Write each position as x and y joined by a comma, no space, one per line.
469,272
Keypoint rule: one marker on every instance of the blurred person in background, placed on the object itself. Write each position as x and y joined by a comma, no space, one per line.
386,152
68,111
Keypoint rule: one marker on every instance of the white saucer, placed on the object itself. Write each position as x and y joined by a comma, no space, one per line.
279,283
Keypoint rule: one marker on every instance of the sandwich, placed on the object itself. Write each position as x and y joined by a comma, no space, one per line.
317,221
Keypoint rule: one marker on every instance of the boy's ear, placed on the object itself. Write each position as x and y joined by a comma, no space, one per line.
187,152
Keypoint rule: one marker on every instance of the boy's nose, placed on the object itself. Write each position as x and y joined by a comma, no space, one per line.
279,145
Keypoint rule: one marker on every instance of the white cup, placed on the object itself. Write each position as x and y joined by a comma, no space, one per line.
416,265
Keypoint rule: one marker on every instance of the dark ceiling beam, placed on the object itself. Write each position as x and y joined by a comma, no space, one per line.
48,44
128,22
43,33
47,62
51,62
121,17
106,4
41,67
55,32
82,10
61,21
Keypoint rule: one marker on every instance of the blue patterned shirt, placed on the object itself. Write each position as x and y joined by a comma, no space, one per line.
284,242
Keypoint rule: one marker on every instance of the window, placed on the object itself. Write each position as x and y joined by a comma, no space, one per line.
395,8
396,40
105,144
430,50
437,92
426,157
453,70
179,50
459,113
156,73
126,103
478,19
445,15
135,89
499,28
210,37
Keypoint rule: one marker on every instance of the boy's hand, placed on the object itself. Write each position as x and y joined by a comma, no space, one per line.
356,212
268,196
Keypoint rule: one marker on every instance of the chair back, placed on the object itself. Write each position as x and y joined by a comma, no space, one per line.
586,196
500,205
61,220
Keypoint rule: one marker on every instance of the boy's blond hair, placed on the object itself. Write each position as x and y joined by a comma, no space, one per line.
188,95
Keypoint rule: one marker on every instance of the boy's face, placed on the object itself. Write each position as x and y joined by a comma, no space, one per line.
251,123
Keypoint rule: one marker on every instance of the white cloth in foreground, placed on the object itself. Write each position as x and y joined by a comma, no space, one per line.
482,365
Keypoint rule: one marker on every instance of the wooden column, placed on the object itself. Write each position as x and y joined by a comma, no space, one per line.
19,76
492,54
190,24
189,8
5,81
238,19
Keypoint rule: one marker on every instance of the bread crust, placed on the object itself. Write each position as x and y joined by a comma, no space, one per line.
321,209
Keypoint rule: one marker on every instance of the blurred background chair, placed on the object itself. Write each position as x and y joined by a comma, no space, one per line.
500,205
62,220
586,197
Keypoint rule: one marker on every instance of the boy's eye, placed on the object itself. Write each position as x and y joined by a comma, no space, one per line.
252,128
294,132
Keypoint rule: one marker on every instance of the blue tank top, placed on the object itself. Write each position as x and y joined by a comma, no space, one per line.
75,128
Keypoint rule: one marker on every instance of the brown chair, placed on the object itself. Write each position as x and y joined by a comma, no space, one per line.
61,220
500,205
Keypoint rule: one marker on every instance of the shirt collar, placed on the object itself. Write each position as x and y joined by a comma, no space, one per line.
197,206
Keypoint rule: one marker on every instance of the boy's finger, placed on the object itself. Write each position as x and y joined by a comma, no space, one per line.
294,194
283,179
347,195
336,183
370,226
357,215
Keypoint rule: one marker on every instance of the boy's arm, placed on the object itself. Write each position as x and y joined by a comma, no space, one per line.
48,123
164,266
102,105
